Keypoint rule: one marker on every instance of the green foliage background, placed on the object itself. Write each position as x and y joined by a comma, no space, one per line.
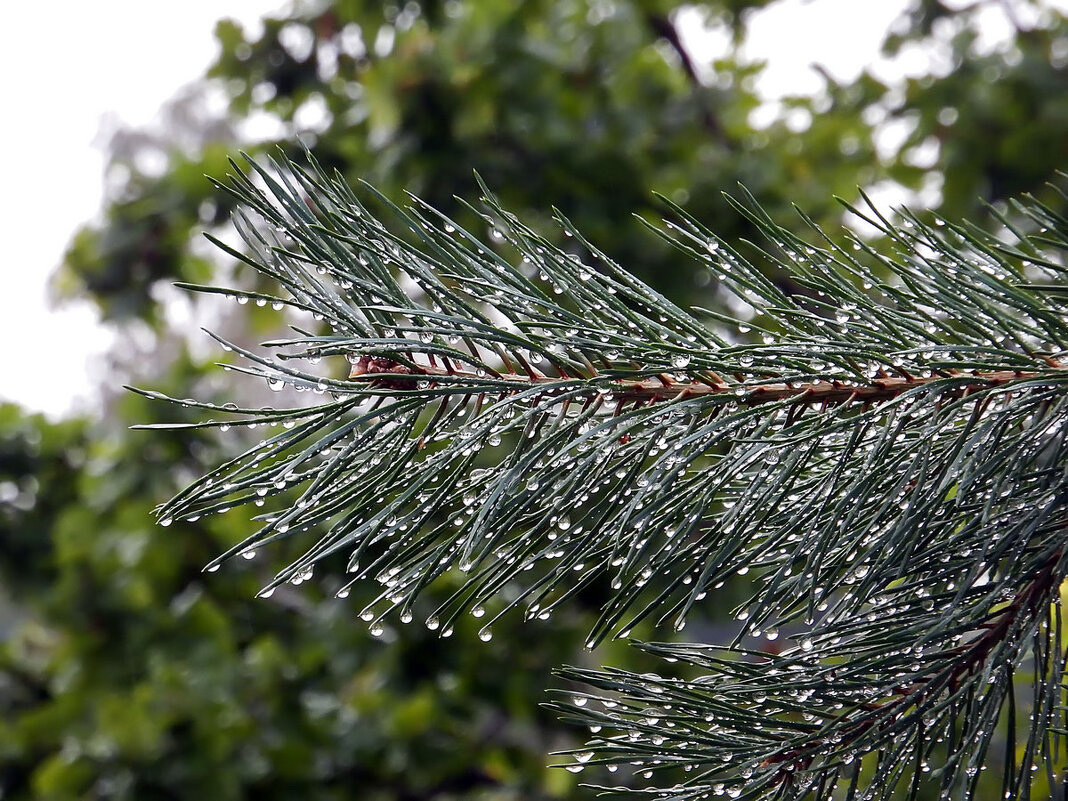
126,672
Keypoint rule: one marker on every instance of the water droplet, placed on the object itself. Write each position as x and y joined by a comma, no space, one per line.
166,521
213,568
584,756
432,622
681,360
485,635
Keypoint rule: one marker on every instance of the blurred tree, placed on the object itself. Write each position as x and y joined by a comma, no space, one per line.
989,121
124,673
596,105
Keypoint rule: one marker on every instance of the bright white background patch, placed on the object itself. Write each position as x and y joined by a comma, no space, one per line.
74,70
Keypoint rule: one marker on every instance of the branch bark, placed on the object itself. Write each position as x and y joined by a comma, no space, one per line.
386,373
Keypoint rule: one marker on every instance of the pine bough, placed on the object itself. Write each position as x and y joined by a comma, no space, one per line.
883,446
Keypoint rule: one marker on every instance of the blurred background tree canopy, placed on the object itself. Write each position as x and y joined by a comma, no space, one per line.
125,672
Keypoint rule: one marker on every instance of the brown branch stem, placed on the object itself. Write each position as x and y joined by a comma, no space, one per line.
661,387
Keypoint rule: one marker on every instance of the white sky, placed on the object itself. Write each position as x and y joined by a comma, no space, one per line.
85,62
70,65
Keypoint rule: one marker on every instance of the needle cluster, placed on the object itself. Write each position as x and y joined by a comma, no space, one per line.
880,439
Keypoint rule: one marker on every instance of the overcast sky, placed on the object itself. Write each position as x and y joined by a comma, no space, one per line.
83,66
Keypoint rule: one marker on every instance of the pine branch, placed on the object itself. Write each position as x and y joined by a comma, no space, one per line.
385,373
805,719
886,452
